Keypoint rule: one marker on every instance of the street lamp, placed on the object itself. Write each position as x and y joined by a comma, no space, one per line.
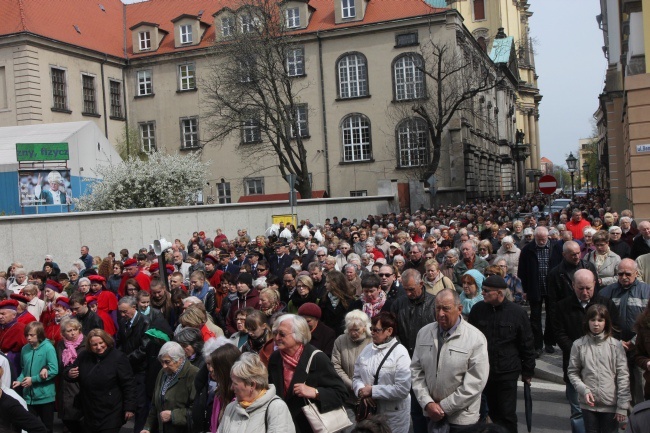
571,164
585,168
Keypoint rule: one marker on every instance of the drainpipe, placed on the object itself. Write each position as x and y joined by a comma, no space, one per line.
104,96
322,98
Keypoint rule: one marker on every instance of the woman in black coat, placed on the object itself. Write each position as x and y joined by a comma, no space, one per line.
107,384
321,383
67,393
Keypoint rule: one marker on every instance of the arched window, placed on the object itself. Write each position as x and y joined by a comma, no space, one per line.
353,76
357,144
483,43
412,140
408,77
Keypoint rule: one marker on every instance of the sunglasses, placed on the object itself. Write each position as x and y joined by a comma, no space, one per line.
385,275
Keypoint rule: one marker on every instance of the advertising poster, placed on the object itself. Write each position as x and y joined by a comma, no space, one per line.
44,187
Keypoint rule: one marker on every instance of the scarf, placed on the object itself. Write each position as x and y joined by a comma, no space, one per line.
169,378
69,354
290,363
334,300
246,404
201,294
216,409
373,309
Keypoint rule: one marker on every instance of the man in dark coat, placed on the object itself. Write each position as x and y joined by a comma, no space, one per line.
280,260
641,243
417,261
510,349
617,244
391,286
305,254
560,279
132,342
567,324
88,319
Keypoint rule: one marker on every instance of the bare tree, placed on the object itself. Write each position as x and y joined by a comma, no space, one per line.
254,87
456,75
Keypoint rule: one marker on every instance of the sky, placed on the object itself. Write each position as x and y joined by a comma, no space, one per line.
571,67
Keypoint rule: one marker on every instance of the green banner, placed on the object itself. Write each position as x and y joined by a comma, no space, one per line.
42,152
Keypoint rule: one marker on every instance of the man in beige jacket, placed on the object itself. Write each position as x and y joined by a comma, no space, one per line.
459,350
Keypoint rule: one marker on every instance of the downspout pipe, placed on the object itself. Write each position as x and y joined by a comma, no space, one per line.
322,98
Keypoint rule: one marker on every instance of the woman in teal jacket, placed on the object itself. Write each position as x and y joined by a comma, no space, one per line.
39,367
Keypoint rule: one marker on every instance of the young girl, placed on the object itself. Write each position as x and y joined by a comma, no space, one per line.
39,367
598,371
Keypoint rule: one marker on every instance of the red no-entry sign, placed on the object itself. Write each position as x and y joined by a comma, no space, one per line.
547,184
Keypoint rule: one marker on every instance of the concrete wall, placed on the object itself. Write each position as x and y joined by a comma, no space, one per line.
27,239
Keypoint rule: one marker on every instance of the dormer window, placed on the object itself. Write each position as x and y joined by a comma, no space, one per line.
145,40
227,26
348,9
186,34
247,23
293,18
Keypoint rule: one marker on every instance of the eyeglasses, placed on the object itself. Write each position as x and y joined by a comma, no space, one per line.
321,255
385,275
626,274
376,330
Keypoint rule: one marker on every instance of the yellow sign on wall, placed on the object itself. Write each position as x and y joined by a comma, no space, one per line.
286,219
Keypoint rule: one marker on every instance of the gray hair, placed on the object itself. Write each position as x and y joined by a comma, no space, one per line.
299,326
190,337
171,349
541,230
21,271
83,280
79,265
569,244
452,252
553,232
449,292
251,370
370,241
213,344
614,228
49,256
589,231
315,265
321,250
128,300
507,240
625,219
399,257
357,317
348,266
191,300
412,274
260,283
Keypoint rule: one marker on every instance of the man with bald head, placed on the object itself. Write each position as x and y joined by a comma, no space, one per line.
567,323
641,244
631,297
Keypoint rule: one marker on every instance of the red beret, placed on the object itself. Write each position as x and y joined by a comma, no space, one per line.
154,267
97,279
90,300
9,304
170,269
211,259
19,298
63,301
130,262
54,285
310,309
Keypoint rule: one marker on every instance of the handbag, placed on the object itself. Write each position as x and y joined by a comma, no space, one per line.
328,422
364,409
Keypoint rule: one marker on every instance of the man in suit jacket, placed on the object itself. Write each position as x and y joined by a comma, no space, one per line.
281,260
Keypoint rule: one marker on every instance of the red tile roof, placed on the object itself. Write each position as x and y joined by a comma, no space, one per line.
103,31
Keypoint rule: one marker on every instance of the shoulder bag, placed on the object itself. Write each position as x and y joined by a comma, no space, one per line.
328,422
364,408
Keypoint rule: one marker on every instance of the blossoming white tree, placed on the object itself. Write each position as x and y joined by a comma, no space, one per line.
159,181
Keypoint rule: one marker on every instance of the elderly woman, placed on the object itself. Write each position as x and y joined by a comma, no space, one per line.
374,298
67,352
107,384
191,341
174,392
382,374
587,242
510,253
270,303
472,281
302,294
399,262
451,258
434,280
484,251
518,229
288,371
347,349
605,260
257,407
84,285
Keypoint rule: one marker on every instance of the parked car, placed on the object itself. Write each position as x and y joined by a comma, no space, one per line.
557,205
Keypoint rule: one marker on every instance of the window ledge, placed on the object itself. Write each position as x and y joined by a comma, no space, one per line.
190,147
297,75
122,118
414,44
304,137
194,89
83,113
399,167
367,161
248,143
61,110
352,98
400,101
150,95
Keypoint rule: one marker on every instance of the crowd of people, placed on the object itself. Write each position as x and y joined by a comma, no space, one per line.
421,322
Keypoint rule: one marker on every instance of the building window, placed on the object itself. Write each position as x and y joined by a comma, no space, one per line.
189,133
301,122
409,78
348,9
359,193
116,98
227,26
186,77
293,18
412,143
145,40
296,62
88,90
247,70
251,130
247,23
353,76
223,192
406,39
145,84
479,10
186,34
59,89
148,136
254,186
356,138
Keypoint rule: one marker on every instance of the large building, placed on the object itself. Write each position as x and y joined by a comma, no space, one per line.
146,67
623,117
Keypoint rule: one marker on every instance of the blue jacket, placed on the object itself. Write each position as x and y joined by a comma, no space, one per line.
33,361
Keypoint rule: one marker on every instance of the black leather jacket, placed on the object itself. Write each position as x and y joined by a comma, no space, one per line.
412,315
132,342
